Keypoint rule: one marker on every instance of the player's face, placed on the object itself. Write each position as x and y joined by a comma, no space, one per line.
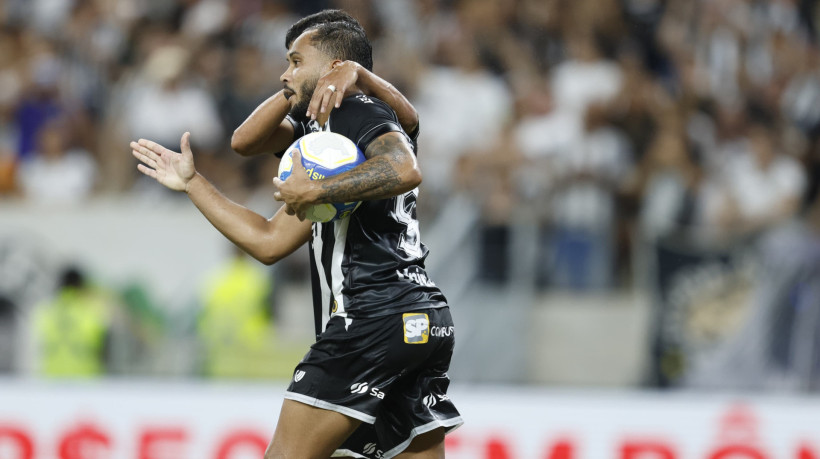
306,65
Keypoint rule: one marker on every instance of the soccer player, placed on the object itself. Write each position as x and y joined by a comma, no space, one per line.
374,384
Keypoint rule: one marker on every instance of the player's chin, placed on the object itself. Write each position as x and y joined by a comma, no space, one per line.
298,110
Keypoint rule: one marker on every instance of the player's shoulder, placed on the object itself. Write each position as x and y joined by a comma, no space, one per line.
361,103
362,117
377,108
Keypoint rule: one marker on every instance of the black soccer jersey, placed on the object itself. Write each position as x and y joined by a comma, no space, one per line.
371,263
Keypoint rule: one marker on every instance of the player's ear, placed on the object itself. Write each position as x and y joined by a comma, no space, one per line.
334,63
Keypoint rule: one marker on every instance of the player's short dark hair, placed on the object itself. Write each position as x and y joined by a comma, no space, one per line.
322,17
338,34
339,41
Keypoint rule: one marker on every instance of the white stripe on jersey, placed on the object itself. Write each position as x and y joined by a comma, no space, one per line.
318,243
336,275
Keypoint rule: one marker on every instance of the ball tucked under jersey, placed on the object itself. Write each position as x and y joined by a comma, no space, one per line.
324,154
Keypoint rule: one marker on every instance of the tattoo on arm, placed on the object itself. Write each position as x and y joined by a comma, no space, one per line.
377,178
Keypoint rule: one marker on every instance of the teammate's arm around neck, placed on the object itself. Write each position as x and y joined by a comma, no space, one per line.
347,74
265,130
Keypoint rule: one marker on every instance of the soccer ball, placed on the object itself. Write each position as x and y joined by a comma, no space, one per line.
324,154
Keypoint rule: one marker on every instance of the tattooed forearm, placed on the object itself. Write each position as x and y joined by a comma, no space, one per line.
389,171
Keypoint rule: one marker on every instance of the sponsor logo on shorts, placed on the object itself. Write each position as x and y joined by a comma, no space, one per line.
431,400
371,448
416,328
298,375
358,388
362,387
441,332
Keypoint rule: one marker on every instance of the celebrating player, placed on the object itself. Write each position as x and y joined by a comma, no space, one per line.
374,384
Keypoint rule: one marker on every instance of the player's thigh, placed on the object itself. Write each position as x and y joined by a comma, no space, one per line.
304,431
428,445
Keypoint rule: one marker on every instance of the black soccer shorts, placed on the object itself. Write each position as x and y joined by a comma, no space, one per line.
389,372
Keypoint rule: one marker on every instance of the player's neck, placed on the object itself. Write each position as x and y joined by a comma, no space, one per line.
353,91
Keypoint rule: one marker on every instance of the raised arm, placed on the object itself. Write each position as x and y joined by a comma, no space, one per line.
265,130
267,240
347,74
391,169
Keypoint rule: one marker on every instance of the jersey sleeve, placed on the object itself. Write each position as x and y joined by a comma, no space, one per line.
375,119
299,131
414,134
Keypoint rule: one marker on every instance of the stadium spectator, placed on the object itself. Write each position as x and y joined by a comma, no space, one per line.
204,18
164,100
668,184
55,172
762,185
586,77
456,83
40,101
234,326
71,329
586,179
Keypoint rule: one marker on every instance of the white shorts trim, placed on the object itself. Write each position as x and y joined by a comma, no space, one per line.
349,412
450,425
347,453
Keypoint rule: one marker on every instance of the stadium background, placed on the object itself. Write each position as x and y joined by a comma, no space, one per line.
620,198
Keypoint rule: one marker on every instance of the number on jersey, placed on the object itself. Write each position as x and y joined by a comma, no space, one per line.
410,240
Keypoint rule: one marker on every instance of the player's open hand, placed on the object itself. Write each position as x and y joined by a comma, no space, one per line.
331,87
172,169
297,191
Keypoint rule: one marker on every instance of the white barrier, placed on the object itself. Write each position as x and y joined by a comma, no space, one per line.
166,245
154,420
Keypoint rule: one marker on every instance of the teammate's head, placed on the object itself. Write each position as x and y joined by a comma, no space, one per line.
315,44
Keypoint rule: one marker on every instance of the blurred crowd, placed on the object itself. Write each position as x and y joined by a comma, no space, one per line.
609,124
603,118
